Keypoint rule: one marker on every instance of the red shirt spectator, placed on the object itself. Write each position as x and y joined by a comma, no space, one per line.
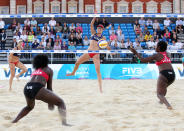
113,36
78,28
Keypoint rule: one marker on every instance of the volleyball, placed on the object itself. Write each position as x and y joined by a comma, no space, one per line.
102,44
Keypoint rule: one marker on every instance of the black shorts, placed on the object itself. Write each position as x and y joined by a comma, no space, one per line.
31,89
169,74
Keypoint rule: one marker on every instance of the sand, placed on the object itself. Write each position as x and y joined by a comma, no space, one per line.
125,105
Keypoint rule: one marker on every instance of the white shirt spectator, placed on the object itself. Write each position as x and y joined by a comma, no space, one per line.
27,22
149,22
173,47
33,22
151,44
52,23
155,25
23,37
128,44
86,42
111,30
179,44
2,24
179,22
72,27
120,37
167,22
16,37
142,21
115,41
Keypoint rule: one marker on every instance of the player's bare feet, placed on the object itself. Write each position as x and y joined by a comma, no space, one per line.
169,107
10,89
70,74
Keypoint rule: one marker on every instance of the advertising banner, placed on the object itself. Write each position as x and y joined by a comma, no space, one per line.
108,71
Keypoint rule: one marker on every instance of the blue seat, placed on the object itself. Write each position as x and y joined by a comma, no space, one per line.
123,55
40,25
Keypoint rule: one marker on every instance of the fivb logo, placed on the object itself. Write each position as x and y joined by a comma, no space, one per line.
27,74
181,72
130,71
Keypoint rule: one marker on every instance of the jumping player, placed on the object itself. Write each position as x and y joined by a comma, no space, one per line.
14,62
166,72
96,36
35,89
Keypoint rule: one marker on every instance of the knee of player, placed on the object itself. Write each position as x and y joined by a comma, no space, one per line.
13,74
61,104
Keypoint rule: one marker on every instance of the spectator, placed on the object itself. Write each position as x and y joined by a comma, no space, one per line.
156,25
136,24
78,28
38,30
2,24
120,37
147,36
41,46
64,46
179,44
50,41
173,46
122,45
113,36
141,37
25,29
142,21
48,47
52,22
58,27
16,36
65,35
167,22
13,25
115,44
159,32
179,22
149,22
72,27
138,46
128,43
118,30
137,30
174,37
27,47
19,28
57,46
27,22
46,28
35,44
72,39
43,41
14,44
65,28
105,23
58,39
145,30
79,38
135,43
30,37
155,36
49,35
44,36
33,22
151,44
97,22
111,30
52,31
86,41
32,31
156,41
179,30
168,34
23,36
3,38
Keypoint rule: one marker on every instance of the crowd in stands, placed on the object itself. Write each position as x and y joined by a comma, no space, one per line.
143,34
